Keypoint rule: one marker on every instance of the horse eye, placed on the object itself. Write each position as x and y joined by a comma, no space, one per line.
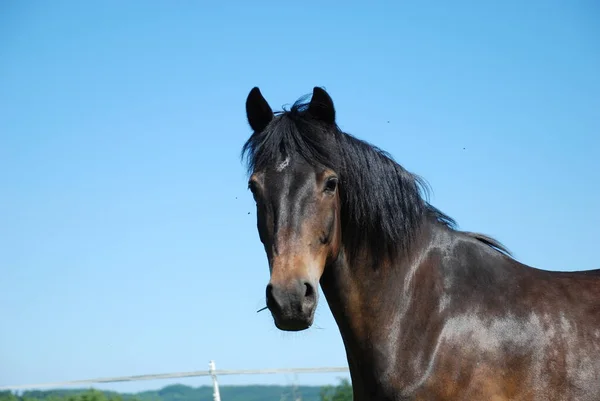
252,187
331,184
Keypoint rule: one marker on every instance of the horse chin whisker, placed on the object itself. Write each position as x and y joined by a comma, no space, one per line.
261,309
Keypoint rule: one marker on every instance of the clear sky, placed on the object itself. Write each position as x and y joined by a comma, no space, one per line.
128,242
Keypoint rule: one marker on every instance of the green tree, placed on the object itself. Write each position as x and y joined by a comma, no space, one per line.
341,392
8,396
96,395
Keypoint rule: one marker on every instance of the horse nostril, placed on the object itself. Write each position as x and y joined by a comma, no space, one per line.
270,298
309,292
309,302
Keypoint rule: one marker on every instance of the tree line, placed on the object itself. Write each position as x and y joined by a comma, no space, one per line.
340,392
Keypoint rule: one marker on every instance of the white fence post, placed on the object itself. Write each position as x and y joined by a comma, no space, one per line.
213,374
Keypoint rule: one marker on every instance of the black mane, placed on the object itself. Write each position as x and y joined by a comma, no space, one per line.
383,205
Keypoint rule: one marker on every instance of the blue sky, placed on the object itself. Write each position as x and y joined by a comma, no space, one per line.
127,236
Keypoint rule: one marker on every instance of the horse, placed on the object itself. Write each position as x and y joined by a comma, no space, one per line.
425,311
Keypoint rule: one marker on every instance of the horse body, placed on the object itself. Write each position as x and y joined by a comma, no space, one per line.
425,311
461,321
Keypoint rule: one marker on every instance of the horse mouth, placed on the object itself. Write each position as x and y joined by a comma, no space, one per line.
294,321
293,324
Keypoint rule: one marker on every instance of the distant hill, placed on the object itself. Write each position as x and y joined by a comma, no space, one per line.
180,392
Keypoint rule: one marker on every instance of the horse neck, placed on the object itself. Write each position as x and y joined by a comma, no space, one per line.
370,303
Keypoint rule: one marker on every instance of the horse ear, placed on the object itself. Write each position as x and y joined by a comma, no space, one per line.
321,106
258,111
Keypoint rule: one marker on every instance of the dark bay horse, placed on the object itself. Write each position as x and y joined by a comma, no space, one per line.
425,311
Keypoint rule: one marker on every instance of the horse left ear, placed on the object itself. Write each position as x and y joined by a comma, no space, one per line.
321,106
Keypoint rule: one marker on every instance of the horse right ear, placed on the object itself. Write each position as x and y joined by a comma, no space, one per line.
258,111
